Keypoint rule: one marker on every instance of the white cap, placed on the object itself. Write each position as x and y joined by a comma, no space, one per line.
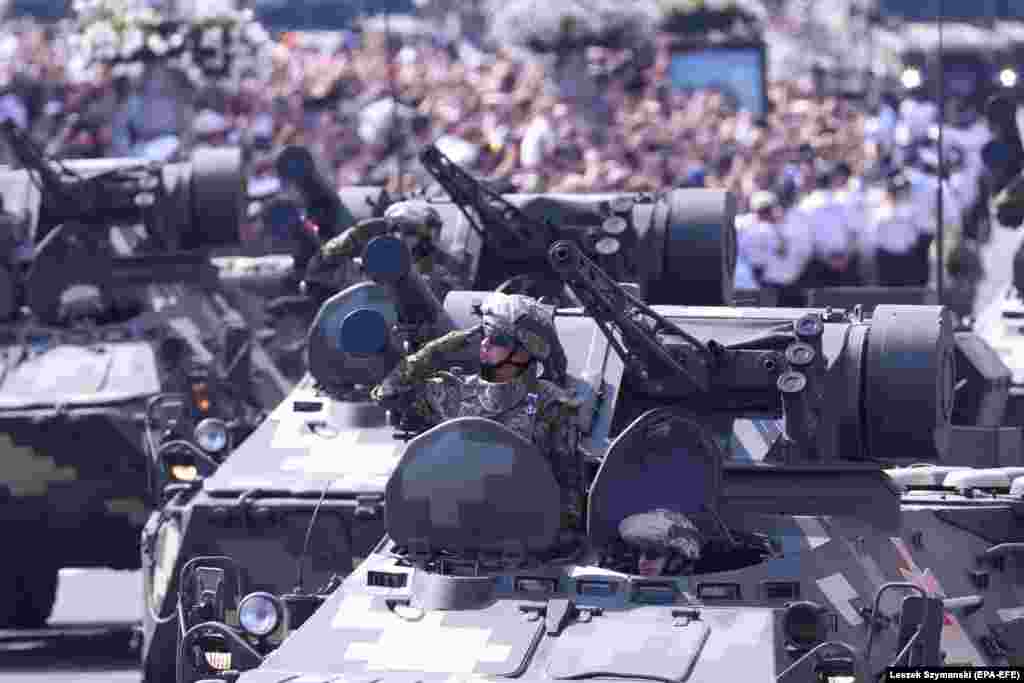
209,122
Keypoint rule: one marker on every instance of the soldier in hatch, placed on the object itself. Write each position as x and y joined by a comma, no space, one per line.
665,543
419,225
516,337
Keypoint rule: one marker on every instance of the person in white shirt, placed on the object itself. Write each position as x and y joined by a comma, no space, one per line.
778,250
834,261
539,138
900,226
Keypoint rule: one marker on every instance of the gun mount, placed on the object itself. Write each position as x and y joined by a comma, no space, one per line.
112,225
838,396
678,246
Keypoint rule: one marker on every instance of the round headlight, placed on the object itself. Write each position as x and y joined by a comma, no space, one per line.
259,614
804,624
606,246
614,225
165,556
184,472
212,435
911,78
1008,78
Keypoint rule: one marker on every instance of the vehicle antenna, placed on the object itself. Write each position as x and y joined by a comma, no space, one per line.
309,534
940,229
397,140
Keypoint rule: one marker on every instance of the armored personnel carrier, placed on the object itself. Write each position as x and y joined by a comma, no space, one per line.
257,506
792,442
106,302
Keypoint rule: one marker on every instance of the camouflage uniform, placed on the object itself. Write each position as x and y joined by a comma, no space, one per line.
334,268
539,410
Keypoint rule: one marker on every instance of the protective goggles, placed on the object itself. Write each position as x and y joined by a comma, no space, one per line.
500,338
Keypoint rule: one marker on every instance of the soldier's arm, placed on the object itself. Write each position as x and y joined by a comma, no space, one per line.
349,243
561,443
413,371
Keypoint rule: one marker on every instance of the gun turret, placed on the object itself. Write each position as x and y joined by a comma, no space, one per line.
185,209
184,206
842,393
678,246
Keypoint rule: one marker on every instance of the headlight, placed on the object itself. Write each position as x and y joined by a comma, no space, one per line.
804,624
614,225
165,556
184,472
911,78
259,614
606,246
1008,78
212,435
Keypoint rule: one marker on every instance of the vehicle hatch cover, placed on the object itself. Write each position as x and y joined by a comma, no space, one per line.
641,643
366,636
459,486
76,375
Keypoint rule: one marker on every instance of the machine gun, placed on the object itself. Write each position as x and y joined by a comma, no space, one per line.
678,246
837,393
517,235
82,221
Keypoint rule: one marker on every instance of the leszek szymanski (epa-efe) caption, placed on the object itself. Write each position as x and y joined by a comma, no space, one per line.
955,674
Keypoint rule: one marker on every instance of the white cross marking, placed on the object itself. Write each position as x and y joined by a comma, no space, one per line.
839,592
424,645
813,530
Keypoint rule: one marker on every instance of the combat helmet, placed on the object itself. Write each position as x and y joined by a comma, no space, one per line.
418,219
662,531
528,325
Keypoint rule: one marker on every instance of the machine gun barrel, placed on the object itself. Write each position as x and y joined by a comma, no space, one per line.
387,259
516,233
638,326
33,160
295,165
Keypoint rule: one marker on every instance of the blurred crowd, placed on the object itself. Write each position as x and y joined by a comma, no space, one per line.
827,169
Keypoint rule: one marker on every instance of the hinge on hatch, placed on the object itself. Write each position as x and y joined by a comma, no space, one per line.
558,612
683,617
368,507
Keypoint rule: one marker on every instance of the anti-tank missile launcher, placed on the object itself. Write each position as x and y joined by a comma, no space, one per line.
757,425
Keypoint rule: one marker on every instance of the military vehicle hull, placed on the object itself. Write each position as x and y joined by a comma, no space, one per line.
77,475
78,511
839,565
1000,326
838,595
